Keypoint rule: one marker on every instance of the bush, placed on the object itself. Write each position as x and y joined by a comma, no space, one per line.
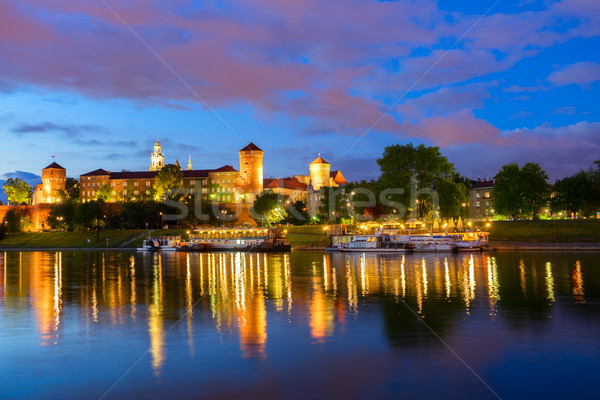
15,220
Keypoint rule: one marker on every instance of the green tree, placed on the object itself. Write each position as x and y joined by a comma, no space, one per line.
15,220
507,196
269,208
574,194
17,191
422,165
61,215
536,189
104,192
452,194
91,215
168,180
520,191
3,231
335,205
300,215
72,190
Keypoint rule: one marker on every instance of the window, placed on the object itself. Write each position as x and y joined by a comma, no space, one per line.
124,192
477,204
135,192
487,203
477,195
192,182
147,183
112,184
135,183
113,192
487,195
124,184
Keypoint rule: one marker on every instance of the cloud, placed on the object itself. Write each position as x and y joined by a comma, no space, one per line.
255,52
26,176
581,73
69,131
460,127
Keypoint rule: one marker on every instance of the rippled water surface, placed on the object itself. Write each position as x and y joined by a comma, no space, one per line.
300,325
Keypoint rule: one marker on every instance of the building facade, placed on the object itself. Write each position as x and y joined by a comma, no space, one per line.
54,178
291,188
221,185
250,180
480,204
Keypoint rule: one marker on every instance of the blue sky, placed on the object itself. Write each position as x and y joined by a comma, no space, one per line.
94,83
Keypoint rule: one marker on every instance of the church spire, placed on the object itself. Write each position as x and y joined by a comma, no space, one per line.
157,158
190,163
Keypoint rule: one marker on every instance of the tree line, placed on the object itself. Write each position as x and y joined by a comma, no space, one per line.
415,181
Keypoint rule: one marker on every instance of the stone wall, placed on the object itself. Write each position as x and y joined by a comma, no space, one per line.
38,214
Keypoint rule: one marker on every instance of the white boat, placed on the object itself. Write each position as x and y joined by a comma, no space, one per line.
470,245
372,244
160,243
432,243
241,239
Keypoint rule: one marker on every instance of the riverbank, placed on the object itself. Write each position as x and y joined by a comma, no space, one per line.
528,246
546,231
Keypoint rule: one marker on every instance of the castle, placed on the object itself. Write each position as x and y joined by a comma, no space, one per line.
221,185
225,185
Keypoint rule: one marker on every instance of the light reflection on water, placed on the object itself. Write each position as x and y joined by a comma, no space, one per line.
190,310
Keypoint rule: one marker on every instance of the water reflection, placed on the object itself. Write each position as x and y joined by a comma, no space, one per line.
243,293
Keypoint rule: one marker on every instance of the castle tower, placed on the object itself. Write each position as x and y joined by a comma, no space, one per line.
319,173
54,178
157,159
250,179
190,163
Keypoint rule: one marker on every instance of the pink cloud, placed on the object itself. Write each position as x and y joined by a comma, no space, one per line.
581,73
329,55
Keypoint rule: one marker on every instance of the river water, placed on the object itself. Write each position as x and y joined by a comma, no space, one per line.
123,325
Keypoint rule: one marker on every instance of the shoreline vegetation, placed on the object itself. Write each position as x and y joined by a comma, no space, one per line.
504,235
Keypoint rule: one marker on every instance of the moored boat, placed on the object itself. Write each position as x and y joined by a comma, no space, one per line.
371,244
160,243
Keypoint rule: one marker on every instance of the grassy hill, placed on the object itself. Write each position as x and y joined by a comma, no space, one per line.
550,231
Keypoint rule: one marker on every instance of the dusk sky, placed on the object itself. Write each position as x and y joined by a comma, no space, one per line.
95,82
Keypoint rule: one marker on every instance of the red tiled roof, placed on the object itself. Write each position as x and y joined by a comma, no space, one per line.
133,175
251,147
55,166
284,183
483,184
319,160
226,168
337,177
196,173
97,172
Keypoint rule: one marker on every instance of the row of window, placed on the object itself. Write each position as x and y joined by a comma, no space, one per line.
486,195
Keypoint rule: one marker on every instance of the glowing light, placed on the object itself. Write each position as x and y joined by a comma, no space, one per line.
447,278
549,282
578,282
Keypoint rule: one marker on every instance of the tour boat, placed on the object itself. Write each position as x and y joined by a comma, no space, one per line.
241,239
160,243
192,247
371,244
